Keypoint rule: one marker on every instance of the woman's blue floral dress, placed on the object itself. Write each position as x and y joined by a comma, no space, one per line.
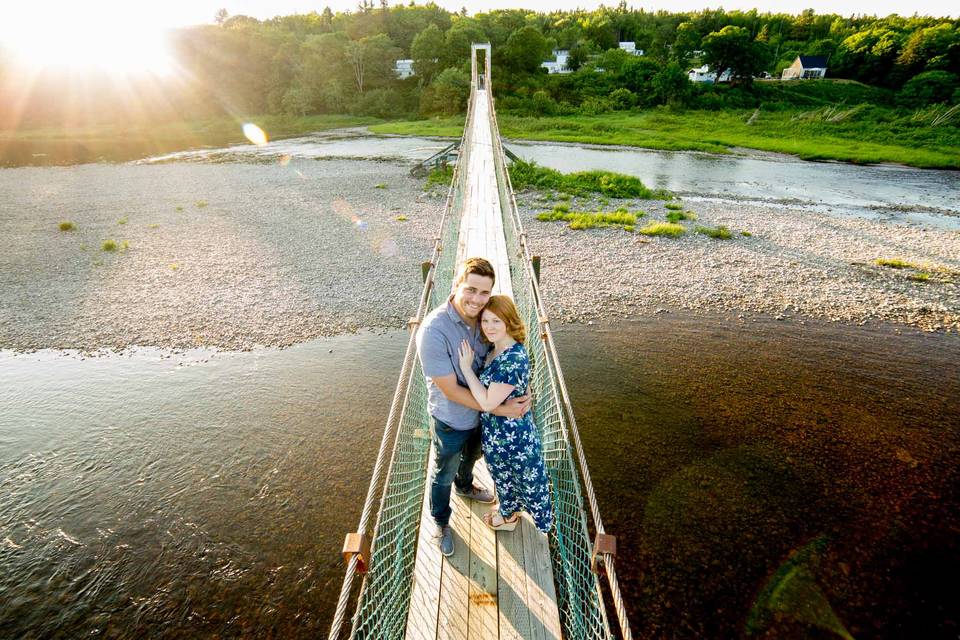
512,447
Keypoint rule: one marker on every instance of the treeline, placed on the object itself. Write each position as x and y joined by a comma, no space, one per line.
344,62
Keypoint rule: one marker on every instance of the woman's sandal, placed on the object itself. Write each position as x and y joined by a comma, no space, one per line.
496,522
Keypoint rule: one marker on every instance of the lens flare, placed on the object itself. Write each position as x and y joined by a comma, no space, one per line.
255,134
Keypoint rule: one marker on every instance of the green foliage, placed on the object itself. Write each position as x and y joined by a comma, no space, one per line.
441,176
448,94
425,51
201,204
673,206
402,218
614,185
895,263
122,220
929,87
380,185
584,220
668,229
66,225
525,49
733,48
718,233
109,245
677,216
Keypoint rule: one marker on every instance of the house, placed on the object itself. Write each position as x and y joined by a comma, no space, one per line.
559,63
806,68
631,48
703,74
403,69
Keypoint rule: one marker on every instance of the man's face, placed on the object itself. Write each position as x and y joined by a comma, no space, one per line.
472,294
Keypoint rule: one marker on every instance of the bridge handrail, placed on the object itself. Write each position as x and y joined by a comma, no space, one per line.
608,558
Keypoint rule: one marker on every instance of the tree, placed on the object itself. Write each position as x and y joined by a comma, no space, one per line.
869,56
221,16
929,87
579,54
448,94
686,42
733,49
372,60
526,48
932,48
425,51
671,85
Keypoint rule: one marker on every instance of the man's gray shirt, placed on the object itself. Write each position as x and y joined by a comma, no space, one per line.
438,345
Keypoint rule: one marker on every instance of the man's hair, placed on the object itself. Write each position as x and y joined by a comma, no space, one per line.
479,266
503,308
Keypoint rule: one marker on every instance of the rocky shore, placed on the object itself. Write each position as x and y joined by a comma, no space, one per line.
790,262
237,255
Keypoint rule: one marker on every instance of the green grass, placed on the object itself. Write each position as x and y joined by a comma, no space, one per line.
746,234
66,225
524,175
870,135
585,220
153,226
668,229
922,276
441,176
122,220
718,233
673,206
109,245
179,208
402,218
677,216
201,204
561,207
380,185
895,263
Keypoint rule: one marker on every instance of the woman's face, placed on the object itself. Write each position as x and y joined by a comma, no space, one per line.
492,326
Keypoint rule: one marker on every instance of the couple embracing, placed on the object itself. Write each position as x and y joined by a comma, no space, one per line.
478,372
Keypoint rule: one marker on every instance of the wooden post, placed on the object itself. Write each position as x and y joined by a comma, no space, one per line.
535,260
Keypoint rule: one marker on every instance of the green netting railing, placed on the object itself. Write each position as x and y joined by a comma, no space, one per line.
384,598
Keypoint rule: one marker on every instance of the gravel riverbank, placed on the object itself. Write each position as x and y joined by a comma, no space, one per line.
240,255
796,262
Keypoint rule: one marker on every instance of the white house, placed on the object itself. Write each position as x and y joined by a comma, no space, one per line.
631,48
559,63
703,74
806,68
403,69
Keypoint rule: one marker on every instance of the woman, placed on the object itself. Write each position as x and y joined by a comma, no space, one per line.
511,446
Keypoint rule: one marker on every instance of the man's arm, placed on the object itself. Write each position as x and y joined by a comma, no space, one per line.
512,408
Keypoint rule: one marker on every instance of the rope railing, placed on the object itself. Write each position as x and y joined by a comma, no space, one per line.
509,206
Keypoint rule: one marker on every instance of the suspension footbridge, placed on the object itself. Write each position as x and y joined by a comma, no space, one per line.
497,585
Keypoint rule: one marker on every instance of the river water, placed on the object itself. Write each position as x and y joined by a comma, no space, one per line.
206,494
887,192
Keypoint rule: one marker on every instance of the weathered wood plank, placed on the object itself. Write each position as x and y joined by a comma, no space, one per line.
452,619
483,620
512,586
541,591
425,594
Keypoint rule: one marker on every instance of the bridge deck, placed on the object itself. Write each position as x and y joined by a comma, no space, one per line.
496,584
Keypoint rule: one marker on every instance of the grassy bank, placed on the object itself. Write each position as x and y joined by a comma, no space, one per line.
864,136
118,143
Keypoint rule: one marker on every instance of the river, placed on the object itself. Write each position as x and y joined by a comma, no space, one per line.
206,493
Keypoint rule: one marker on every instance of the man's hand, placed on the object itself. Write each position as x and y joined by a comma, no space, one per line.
513,408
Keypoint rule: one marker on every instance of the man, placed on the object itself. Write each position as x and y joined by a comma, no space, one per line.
456,415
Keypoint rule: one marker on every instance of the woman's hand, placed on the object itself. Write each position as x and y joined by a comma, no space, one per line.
466,356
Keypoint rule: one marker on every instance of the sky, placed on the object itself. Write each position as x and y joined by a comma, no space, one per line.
171,13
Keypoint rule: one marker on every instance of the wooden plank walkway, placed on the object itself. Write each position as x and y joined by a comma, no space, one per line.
496,585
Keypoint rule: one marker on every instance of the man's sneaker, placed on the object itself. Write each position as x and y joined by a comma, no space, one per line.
444,538
476,493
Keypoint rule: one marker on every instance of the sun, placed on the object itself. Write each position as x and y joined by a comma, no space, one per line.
85,37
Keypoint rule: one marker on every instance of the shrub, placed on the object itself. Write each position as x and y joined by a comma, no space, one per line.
677,216
201,204
673,206
622,99
929,87
109,245
66,225
122,220
894,263
669,229
720,233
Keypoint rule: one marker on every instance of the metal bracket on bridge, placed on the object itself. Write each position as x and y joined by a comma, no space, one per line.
543,321
357,544
603,544
413,323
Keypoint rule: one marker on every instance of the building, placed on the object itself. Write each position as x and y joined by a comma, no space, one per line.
559,63
631,48
404,69
703,74
806,68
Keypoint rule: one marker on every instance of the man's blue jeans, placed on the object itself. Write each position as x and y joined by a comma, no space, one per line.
455,453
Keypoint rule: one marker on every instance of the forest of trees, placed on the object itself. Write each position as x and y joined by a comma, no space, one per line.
343,63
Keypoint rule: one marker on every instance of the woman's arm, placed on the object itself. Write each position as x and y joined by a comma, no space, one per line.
488,399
